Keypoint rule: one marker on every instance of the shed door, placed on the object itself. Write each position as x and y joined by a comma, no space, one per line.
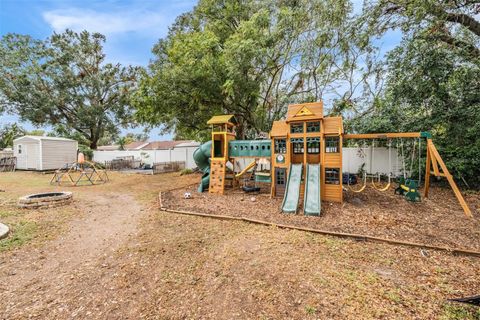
32,154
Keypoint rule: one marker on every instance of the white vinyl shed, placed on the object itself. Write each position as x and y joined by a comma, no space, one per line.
44,153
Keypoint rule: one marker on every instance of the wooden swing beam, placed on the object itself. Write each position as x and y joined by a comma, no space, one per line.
387,135
432,162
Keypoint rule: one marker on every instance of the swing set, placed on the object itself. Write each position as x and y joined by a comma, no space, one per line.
376,179
408,187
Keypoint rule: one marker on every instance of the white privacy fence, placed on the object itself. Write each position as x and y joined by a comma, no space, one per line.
376,160
150,157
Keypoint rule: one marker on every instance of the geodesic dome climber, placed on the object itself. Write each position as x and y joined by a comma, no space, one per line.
80,173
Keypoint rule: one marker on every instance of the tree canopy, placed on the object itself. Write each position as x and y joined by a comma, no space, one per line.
250,59
452,24
253,58
432,78
65,82
8,133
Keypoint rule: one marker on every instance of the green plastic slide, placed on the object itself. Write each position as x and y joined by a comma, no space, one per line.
312,200
201,156
292,193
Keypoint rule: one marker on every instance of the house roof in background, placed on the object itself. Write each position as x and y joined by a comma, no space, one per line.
136,145
154,145
188,144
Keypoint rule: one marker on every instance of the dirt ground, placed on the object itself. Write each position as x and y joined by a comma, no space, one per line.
438,220
112,254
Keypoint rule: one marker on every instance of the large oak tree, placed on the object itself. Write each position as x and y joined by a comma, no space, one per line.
64,81
251,59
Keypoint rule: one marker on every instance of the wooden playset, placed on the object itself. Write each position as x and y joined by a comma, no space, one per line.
304,156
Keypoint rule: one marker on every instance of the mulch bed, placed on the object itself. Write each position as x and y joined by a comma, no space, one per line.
438,220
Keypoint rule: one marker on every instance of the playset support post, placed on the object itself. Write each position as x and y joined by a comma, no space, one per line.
427,173
437,160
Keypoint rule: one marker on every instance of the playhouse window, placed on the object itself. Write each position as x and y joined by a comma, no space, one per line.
296,128
313,145
280,177
19,149
313,126
332,176
332,144
280,146
297,145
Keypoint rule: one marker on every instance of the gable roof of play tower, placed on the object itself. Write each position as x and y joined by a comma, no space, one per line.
305,111
222,119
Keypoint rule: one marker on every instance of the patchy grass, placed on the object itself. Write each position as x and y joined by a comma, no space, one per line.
20,233
28,225
394,296
9,213
38,225
182,267
310,310
453,311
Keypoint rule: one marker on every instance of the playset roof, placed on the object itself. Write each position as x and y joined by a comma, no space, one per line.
226,118
333,125
279,129
305,111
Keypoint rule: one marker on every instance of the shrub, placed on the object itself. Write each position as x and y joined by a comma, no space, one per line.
186,171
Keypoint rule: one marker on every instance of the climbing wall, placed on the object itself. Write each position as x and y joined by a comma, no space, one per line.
217,176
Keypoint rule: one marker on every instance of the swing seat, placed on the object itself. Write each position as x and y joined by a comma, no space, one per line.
353,178
359,190
248,189
349,178
380,188
409,189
